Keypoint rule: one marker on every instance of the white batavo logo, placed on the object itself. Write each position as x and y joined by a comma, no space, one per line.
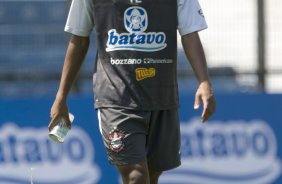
136,23
24,148
226,152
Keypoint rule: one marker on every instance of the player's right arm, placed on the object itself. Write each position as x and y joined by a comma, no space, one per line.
80,24
76,52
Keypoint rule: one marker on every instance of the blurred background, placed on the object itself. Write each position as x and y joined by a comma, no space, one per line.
240,144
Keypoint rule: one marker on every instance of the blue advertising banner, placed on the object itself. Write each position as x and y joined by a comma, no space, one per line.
240,144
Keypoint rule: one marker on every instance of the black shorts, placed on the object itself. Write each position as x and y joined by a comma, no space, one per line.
132,137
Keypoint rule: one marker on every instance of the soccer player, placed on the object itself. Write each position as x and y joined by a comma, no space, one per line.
135,78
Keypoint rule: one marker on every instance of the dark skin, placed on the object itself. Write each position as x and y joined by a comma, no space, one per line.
138,173
76,52
195,53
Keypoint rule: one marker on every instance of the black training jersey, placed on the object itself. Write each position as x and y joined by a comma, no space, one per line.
136,59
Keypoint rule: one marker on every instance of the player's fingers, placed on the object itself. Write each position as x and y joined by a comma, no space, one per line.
54,121
197,102
67,122
205,116
205,112
209,108
212,104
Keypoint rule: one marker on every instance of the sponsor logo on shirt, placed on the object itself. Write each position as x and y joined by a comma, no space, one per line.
136,23
24,148
143,73
138,61
227,152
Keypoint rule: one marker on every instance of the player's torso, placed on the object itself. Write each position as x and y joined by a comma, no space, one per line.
137,50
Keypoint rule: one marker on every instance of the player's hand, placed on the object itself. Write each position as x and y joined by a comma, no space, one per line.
59,110
205,95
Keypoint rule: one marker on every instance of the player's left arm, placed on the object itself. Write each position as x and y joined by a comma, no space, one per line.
195,53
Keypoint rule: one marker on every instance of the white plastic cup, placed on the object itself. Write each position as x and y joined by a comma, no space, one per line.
59,132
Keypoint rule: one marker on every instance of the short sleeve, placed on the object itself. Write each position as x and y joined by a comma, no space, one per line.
80,18
190,17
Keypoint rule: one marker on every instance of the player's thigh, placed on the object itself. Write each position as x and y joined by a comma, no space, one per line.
124,135
164,140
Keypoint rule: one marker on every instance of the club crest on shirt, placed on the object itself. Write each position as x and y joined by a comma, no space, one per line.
116,140
135,20
136,23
